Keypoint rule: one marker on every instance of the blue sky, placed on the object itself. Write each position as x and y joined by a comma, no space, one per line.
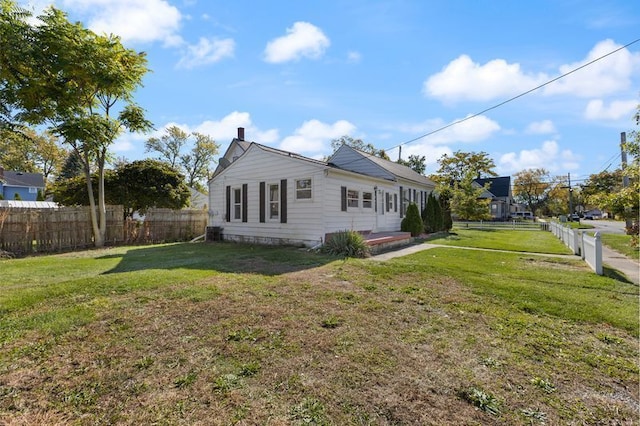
297,74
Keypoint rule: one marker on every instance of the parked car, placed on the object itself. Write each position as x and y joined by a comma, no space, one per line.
575,216
522,215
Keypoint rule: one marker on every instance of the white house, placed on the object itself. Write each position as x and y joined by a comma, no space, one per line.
265,195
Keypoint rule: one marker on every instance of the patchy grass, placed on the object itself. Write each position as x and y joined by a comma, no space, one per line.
231,334
534,241
621,244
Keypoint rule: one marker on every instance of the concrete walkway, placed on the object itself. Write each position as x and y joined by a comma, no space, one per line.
613,259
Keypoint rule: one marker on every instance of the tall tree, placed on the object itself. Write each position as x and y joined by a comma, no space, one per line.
168,145
143,184
531,187
196,163
454,179
454,168
28,151
466,203
79,82
16,152
71,167
48,156
417,163
137,186
358,144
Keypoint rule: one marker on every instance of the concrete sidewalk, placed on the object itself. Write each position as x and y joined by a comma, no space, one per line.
613,259
621,263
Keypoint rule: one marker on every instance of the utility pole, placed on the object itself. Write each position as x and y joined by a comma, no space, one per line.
570,198
625,176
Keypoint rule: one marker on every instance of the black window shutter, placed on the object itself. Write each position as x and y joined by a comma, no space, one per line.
228,215
283,201
387,199
343,198
263,202
401,202
245,200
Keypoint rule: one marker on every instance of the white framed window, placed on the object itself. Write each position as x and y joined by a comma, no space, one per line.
237,203
274,201
33,190
353,198
367,200
303,189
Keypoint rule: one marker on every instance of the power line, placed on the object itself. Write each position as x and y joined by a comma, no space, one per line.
515,97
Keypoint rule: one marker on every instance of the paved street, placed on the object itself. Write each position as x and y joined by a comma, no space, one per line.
605,226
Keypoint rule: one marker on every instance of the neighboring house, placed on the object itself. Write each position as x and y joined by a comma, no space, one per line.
265,195
198,200
26,185
499,192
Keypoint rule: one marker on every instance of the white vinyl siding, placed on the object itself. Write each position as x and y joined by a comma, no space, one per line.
308,219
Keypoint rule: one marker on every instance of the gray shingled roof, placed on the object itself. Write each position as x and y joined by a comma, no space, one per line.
23,179
396,169
498,186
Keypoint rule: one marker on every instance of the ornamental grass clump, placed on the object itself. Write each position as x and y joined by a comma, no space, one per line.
347,244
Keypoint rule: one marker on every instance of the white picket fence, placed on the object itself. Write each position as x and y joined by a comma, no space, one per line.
589,248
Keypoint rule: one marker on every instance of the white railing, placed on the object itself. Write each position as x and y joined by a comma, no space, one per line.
589,248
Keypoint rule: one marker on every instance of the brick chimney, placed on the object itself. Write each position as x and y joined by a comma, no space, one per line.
241,133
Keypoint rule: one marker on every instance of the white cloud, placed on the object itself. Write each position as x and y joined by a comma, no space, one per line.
463,79
354,57
605,77
549,156
302,40
472,130
616,110
133,20
224,130
541,127
207,51
314,136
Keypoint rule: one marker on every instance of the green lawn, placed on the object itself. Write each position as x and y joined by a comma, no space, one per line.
621,244
534,241
233,334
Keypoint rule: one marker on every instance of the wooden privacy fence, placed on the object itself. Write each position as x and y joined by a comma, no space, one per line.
166,225
27,231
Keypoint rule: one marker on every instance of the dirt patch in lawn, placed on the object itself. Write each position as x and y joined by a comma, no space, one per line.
338,344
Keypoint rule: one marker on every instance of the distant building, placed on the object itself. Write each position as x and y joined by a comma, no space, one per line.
499,192
20,185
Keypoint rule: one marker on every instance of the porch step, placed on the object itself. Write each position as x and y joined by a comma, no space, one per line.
381,241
